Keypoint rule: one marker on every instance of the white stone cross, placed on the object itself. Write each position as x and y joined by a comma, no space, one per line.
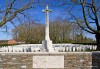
47,23
47,43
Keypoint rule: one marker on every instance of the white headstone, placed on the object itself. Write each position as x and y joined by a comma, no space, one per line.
73,48
70,48
67,48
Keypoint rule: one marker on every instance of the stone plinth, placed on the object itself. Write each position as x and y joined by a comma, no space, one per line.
47,46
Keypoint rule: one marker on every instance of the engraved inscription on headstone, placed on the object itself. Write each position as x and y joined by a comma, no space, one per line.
48,61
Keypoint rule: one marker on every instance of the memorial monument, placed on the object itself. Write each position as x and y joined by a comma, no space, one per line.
28,56
47,43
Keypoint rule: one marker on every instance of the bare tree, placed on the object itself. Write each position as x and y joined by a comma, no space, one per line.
59,31
89,11
13,8
30,32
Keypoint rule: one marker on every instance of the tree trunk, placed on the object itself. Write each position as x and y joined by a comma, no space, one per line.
98,41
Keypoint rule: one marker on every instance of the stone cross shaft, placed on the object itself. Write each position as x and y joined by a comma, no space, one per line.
47,23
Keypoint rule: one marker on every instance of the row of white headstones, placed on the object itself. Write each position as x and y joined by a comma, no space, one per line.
56,47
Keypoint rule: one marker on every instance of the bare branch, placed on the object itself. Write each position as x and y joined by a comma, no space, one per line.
90,14
79,23
14,14
13,24
85,19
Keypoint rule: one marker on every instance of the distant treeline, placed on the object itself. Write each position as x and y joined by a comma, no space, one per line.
7,44
85,43
61,31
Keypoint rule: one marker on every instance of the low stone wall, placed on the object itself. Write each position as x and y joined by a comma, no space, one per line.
72,60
